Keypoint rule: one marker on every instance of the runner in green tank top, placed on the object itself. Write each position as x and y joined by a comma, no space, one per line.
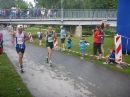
49,40
49,37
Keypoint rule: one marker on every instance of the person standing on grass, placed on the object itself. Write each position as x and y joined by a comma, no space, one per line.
62,36
20,38
97,42
103,26
82,45
1,40
49,37
69,43
40,34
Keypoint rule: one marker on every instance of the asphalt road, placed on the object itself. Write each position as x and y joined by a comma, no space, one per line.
69,76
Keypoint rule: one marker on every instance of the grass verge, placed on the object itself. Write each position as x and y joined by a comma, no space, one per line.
10,81
109,42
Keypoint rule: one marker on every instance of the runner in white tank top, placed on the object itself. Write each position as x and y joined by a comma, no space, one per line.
20,37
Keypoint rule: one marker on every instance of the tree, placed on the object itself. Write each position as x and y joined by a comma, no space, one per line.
7,4
22,4
79,4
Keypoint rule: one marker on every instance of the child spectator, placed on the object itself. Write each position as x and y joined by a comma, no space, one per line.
82,45
40,36
69,43
110,59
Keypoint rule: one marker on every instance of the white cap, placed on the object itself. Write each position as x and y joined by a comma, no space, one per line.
19,26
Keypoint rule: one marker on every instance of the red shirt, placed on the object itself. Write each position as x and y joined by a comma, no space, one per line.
97,36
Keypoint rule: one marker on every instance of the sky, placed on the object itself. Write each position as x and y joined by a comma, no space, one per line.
30,1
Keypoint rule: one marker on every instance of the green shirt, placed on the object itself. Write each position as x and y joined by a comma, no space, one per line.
50,39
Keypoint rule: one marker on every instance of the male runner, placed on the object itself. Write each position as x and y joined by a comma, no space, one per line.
49,37
20,37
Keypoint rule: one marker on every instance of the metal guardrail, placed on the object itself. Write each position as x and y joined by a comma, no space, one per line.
67,14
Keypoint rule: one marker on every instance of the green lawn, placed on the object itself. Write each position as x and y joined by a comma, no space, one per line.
109,42
10,81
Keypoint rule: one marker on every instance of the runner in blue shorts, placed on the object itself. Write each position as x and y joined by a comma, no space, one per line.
19,37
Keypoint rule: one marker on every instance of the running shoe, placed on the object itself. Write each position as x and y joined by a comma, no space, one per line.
46,59
105,63
50,64
21,70
81,57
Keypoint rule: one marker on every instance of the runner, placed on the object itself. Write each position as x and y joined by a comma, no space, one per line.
20,37
48,37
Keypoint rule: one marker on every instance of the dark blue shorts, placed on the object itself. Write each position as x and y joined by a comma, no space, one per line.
40,38
20,50
62,40
69,47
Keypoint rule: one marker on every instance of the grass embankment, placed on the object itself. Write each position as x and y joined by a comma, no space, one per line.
109,42
10,81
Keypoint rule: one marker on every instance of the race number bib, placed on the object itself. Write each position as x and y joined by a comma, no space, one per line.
50,39
20,41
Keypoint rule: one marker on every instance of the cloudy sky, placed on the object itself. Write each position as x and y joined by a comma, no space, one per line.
31,1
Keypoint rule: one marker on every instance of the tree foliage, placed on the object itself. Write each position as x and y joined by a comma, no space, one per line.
79,4
7,4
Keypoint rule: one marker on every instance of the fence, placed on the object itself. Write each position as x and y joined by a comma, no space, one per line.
67,13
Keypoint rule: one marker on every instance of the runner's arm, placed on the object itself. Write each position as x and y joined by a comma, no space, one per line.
12,36
26,36
44,36
105,24
55,36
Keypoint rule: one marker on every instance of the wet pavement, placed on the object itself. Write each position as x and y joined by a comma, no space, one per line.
69,76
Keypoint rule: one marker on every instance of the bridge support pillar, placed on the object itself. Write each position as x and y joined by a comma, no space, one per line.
78,31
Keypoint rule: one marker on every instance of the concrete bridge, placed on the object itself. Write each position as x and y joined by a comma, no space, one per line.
58,21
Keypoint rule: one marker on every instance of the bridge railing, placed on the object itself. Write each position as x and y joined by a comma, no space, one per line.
67,14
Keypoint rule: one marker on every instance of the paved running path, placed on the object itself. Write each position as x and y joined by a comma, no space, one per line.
69,76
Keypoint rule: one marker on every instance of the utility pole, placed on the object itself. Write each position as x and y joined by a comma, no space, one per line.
62,10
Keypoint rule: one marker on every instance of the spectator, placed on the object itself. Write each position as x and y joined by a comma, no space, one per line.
62,36
52,12
3,13
1,42
27,13
69,43
38,12
55,11
34,12
97,42
82,45
40,36
110,59
0,13
42,11
103,25
15,11
18,12
49,14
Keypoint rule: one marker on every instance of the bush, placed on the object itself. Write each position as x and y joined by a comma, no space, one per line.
108,32
84,32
